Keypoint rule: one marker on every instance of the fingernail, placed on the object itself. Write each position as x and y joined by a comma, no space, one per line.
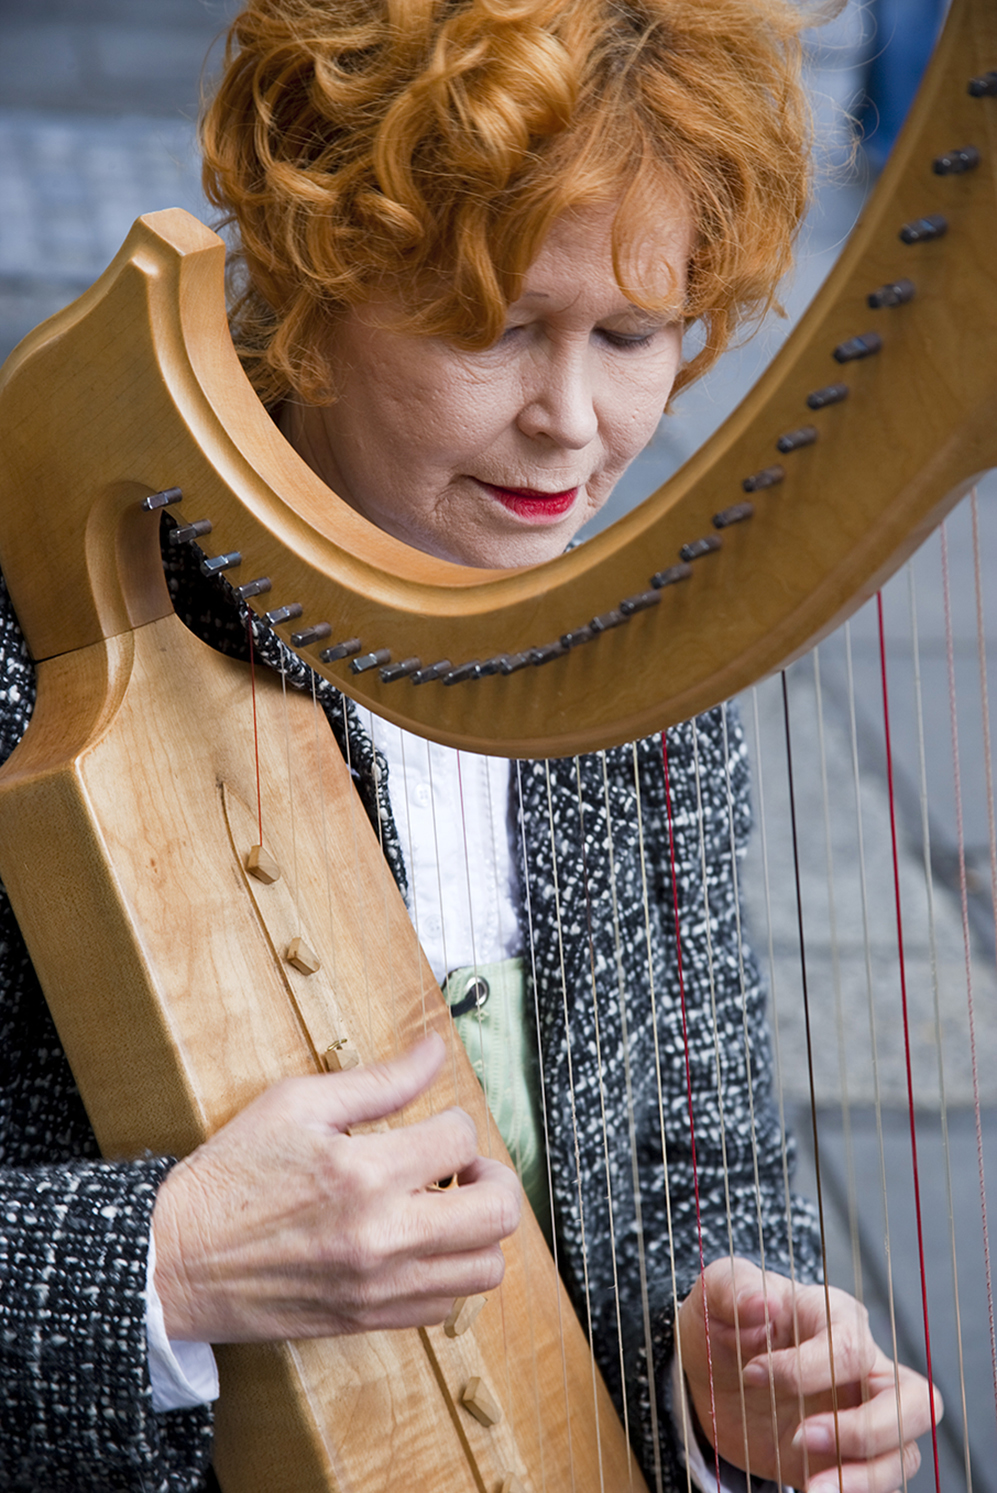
818,1437
756,1372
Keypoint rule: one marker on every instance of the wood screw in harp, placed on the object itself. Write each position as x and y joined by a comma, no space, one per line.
463,1314
477,1398
261,864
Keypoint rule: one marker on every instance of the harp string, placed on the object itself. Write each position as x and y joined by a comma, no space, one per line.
791,789
486,1054
906,1026
967,946
597,1029
631,1128
669,810
936,999
717,1064
845,1105
256,729
839,1020
288,754
659,1088
572,1100
749,1072
871,1004
531,954
320,724
777,1047
981,646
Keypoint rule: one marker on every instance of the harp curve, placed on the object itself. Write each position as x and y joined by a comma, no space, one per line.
919,425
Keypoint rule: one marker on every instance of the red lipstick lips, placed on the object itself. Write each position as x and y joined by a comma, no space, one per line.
539,506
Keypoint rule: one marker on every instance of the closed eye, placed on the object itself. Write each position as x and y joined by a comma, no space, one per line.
627,339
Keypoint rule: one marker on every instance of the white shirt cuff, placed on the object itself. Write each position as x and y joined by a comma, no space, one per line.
183,1375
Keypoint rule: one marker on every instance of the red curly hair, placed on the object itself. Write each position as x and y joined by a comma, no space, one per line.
428,146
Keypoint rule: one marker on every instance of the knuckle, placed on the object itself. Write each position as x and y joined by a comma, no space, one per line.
492,1270
912,1458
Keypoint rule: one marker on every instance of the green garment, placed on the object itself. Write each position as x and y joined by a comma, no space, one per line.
497,1027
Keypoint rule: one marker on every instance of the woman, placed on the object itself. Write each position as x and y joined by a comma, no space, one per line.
472,238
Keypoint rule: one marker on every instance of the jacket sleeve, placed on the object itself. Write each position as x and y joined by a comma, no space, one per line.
75,1400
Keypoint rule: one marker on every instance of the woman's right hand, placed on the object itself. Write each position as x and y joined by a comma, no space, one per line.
284,1226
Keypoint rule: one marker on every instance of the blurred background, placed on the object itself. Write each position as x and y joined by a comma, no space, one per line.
98,103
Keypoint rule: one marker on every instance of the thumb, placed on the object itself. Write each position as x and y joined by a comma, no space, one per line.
381,1089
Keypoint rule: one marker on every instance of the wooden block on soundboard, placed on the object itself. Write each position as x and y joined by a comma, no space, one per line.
462,1314
304,959
340,1056
261,864
511,1484
478,1399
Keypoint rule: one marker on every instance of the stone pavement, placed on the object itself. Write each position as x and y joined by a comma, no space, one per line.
97,103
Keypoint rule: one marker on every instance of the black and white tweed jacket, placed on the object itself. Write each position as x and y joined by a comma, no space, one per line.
75,1403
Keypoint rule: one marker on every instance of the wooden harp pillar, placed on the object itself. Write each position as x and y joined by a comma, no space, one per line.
166,962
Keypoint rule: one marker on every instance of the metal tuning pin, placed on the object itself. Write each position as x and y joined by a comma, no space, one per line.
896,294
832,394
284,614
369,660
700,547
547,653
392,672
985,87
795,440
218,563
464,673
432,672
492,666
577,637
639,603
734,515
310,635
607,620
513,662
341,650
671,576
956,162
858,347
164,499
187,533
259,587
767,477
922,230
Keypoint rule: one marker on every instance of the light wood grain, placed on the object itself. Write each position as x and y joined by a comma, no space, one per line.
165,969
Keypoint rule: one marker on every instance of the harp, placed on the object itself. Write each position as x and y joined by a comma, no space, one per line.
855,486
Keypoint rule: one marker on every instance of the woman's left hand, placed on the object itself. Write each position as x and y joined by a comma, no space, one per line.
775,1416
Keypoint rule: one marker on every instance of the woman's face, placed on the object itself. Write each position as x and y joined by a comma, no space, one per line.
496,458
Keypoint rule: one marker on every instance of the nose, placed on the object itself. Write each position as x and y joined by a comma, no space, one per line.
559,400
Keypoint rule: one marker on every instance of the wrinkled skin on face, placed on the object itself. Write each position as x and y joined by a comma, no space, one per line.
498,457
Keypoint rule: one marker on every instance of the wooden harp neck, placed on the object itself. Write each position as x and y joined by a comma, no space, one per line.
864,479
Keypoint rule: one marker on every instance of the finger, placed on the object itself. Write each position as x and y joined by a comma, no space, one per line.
468,1218
882,1475
878,1426
844,1357
377,1090
414,1157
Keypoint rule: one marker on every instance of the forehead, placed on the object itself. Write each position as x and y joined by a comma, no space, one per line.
635,254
